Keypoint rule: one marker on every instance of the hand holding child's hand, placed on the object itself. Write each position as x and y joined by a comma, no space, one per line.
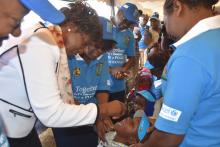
103,126
100,126
112,109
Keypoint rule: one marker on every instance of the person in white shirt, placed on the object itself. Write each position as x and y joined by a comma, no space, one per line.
30,73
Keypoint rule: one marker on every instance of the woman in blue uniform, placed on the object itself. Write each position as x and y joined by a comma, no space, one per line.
191,85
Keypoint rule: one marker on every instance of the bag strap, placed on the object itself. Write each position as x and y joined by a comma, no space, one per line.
24,80
42,27
22,69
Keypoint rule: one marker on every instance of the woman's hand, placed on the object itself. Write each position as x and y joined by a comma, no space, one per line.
103,126
112,109
108,124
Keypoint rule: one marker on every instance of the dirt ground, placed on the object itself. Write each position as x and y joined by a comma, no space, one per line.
47,138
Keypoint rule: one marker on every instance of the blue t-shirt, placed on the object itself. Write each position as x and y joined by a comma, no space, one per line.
88,79
117,57
191,89
141,43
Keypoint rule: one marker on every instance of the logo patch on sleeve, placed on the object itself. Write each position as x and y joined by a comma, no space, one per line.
169,113
108,82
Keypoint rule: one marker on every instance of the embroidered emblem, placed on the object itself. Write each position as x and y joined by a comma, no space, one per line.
126,40
76,71
170,113
99,69
109,27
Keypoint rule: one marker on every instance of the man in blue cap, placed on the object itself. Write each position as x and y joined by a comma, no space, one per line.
155,21
154,29
108,44
122,58
143,20
12,12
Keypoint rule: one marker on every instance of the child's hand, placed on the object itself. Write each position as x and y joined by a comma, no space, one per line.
103,126
124,74
100,126
115,70
119,72
108,124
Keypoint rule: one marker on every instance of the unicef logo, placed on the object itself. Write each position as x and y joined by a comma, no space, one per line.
173,112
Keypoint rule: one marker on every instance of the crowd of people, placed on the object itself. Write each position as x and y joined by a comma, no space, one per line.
129,80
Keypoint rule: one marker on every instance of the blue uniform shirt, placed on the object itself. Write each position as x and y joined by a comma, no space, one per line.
191,87
141,43
88,79
117,57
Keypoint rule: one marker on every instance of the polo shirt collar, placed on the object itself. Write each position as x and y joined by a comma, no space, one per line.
202,26
79,58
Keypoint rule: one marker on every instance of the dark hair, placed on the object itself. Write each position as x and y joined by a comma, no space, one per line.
159,58
108,45
167,41
168,5
84,18
140,12
142,15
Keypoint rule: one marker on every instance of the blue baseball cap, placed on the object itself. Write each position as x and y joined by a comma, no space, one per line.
130,12
143,126
45,10
147,95
107,28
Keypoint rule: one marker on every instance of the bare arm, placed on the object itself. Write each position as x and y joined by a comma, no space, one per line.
102,97
129,63
161,139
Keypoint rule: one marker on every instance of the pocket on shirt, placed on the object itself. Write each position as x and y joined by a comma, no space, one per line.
16,118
